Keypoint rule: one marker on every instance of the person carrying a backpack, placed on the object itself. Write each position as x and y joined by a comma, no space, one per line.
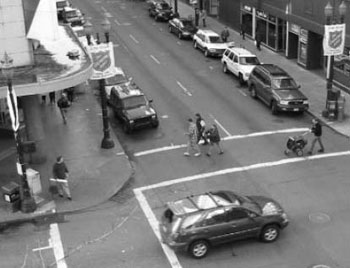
200,124
63,105
214,138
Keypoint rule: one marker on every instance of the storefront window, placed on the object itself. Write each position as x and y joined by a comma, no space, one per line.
247,19
261,29
272,35
302,53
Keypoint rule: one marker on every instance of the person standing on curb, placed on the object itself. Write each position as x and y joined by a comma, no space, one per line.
196,17
192,138
258,41
225,34
214,138
61,174
63,105
204,17
243,29
316,129
200,124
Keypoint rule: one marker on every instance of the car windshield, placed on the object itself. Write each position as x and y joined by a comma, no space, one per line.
284,82
71,14
249,61
163,6
133,102
215,39
115,80
187,23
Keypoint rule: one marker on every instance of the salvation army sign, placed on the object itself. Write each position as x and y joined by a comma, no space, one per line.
334,39
102,56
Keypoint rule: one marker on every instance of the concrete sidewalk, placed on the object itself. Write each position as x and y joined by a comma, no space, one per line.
313,83
95,174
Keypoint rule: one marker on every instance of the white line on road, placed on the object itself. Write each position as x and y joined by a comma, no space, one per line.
221,126
211,68
245,168
108,15
133,38
242,92
155,59
254,134
104,10
184,89
57,246
172,258
117,22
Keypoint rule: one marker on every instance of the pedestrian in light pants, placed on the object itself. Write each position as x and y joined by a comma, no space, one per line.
61,174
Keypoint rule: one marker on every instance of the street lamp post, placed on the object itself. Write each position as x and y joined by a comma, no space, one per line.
27,201
107,142
331,19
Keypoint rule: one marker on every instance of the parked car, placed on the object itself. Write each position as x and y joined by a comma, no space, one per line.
182,27
160,11
73,16
60,5
276,88
198,222
118,79
210,43
132,108
240,62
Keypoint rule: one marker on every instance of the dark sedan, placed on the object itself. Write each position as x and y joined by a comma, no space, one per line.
182,27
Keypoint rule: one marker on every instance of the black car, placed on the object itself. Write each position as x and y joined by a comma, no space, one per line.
132,108
182,27
161,11
197,222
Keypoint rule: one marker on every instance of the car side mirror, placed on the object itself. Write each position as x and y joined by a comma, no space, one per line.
150,100
299,86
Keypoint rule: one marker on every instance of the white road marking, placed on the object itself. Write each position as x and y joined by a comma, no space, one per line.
179,43
221,126
104,10
254,134
117,22
57,246
172,258
155,59
184,89
211,68
242,92
108,15
133,38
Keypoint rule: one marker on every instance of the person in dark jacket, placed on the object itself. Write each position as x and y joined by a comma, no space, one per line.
60,174
214,138
316,129
225,34
200,124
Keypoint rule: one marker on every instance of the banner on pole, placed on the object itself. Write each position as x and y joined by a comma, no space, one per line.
102,61
334,39
13,110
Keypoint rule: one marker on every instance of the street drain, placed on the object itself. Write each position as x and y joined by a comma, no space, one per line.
319,217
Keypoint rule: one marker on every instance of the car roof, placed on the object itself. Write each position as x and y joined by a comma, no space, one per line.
274,70
208,32
242,52
195,203
127,90
69,8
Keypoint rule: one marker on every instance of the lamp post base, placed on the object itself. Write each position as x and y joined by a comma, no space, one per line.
107,143
28,205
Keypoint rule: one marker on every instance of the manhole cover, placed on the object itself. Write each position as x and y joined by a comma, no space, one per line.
320,266
319,217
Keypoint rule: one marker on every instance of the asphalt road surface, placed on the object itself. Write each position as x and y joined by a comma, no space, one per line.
181,81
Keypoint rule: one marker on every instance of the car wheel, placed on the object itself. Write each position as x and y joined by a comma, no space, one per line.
224,68
252,91
195,45
155,124
180,35
170,29
199,249
274,108
299,152
126,128
206,53
270,233
240,79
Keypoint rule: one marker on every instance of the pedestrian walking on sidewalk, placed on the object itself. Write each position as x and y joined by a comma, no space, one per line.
204,17
52,97
200,124
258,41
192,139
61,174
316,129
225,34
214,138
243,30
196,17
70,94
63,105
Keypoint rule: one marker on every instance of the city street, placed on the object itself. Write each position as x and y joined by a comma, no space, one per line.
123,232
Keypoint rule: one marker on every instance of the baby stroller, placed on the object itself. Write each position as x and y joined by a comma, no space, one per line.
296,144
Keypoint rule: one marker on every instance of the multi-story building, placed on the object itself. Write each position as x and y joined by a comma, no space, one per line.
292,27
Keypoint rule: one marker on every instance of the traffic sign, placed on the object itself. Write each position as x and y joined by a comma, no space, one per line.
12,105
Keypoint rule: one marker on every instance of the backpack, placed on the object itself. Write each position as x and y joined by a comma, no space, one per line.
63,103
